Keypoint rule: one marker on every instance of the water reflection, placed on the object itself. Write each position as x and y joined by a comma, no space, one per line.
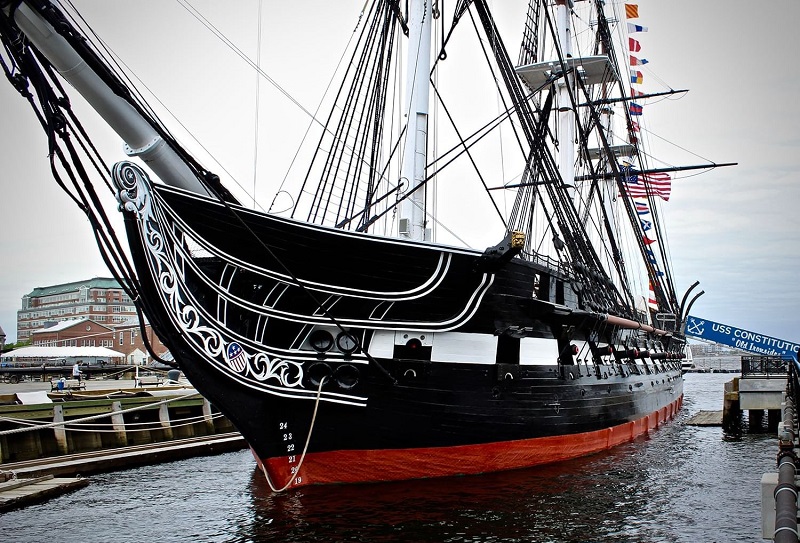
674,485
679,484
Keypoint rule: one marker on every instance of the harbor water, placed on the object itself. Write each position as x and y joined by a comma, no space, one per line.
679,484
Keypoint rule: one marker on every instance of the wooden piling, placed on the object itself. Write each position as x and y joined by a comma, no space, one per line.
118,424
731,413
157,423
59,431
755,419
207,416
163,417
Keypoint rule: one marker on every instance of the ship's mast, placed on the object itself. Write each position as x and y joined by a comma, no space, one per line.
412,209
566,113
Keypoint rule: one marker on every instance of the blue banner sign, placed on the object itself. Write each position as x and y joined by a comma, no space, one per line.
740,339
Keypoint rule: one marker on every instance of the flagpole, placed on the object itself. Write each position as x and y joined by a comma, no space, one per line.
629,98
664,170
611,175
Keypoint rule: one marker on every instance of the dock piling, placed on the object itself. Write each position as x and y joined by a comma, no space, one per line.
118,423
163,417
60,431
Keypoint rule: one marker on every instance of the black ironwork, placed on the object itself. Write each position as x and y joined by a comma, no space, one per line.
765,365
793,387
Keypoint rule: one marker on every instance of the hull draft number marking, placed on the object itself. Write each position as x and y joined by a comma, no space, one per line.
291,450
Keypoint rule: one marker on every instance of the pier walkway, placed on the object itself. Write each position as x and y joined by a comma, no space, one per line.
126,457
34,481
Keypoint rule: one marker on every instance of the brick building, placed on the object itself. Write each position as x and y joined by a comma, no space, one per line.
125,338
128,339
74,333
99,299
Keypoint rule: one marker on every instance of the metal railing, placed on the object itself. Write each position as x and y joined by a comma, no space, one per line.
786,490
765,365
793,386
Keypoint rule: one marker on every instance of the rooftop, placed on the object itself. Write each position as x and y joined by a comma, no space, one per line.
95,282
57,327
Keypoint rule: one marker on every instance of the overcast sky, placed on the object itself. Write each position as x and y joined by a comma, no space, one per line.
736,229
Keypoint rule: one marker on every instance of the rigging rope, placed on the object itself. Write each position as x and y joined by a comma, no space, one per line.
102,428
111,251
95,417
305,447
257,104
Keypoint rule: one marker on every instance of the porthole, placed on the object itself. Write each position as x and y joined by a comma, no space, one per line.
346,376
318,372
321,340
346,342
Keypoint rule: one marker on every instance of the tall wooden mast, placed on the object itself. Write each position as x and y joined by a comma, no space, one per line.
415,156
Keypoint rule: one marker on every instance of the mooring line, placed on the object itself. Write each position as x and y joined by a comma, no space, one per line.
305,447
93,417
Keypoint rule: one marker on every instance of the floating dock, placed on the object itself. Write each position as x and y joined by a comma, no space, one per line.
706,418
126,457
16,493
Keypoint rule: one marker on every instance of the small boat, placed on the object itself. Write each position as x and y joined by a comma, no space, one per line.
342,339
688,363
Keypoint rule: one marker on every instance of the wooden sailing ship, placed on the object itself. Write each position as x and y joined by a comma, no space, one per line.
343,341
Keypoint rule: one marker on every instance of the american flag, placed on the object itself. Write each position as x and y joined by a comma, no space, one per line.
652,303
237,358
641,185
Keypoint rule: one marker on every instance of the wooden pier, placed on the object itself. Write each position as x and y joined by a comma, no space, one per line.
38,480
760,390
48,440
72,423
126,457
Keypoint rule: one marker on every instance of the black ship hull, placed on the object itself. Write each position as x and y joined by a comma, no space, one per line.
443,420
344,357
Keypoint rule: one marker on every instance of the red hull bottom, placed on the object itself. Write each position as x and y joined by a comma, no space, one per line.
371,466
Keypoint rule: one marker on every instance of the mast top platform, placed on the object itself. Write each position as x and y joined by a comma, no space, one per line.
592,70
